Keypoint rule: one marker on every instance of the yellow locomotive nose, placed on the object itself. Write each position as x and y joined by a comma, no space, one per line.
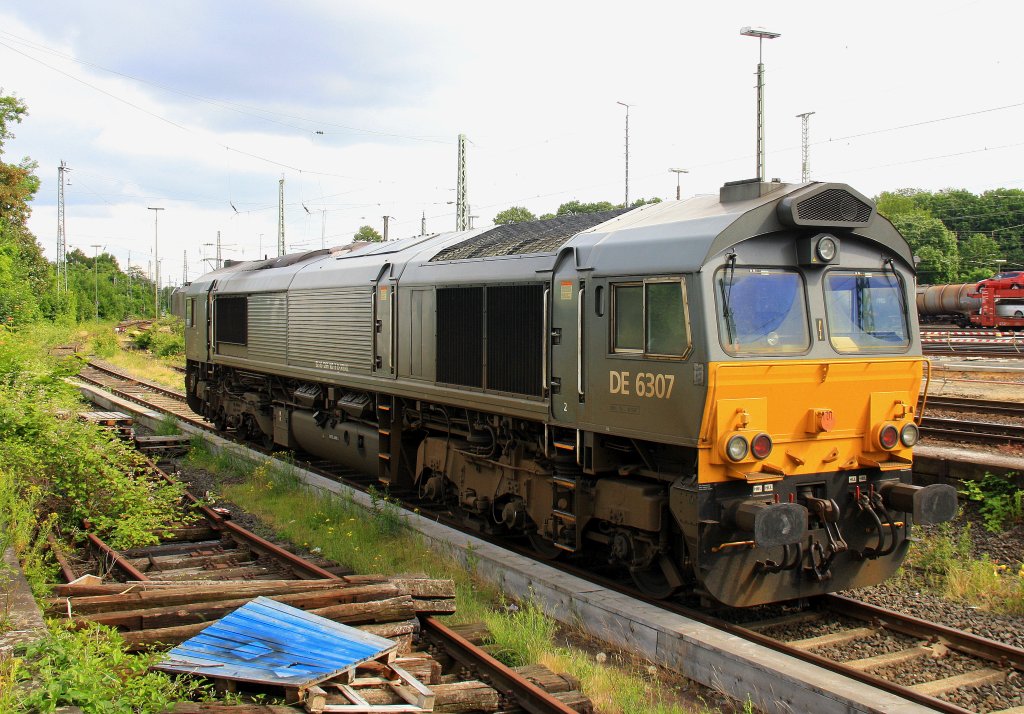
754,428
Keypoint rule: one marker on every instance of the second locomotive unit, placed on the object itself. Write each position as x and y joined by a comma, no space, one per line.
718,395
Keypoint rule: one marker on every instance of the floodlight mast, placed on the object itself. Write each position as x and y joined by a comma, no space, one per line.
677,172
761,34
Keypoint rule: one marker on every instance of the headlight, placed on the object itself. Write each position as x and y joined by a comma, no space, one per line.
888,436
761,446
736,448
910,434
827,248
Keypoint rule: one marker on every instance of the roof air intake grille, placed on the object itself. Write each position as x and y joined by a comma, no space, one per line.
833,206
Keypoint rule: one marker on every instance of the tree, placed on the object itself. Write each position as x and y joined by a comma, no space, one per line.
644,201
367,233
25,276
979,254
574,207
933,243
516,214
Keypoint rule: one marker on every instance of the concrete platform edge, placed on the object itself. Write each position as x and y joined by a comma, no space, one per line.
25,616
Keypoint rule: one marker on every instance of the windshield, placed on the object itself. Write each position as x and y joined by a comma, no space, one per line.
866,311
761,311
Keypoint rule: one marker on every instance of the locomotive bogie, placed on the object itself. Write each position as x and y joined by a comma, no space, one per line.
718,394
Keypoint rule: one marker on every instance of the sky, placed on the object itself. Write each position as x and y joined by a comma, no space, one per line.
200,108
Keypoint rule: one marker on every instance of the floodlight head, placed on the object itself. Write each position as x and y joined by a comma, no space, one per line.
759,32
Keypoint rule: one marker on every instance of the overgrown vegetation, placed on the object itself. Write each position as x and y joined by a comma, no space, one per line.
942,561
88,668
163,338
999,500
523,635
55,472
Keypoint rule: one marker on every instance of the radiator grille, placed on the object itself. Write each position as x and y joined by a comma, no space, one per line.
515,323
460,339
833,206
268,327
230,320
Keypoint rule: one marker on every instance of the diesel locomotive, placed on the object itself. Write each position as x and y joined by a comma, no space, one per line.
717,395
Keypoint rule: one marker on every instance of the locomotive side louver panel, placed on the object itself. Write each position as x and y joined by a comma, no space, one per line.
460,339
330,329
515,319
229,320
268,327
826,206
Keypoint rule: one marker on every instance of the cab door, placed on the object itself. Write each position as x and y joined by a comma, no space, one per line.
567,372
385,329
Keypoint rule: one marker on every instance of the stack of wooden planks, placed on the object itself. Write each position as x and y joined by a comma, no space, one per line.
169,612
157,614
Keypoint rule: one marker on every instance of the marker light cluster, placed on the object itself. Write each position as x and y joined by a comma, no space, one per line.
737,447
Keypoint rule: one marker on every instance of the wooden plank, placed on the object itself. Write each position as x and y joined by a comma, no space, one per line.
970,679
890,658
833,638
378,610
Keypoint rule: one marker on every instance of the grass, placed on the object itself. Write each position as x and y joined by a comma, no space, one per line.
159,370
941,562
375,540
523,635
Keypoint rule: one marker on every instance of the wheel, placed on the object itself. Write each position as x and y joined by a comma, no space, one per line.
652,582
1018,314
543,547
1015,286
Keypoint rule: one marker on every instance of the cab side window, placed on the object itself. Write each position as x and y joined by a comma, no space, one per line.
650,318
190,306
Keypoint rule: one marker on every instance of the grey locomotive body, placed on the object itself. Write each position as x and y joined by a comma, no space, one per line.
704,391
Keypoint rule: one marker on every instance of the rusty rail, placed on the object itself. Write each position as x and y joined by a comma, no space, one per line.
531,698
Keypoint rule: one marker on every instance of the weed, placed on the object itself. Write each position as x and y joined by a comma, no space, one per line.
104,343
224,461
472,559
387,514
1001,502
168,426
87,668
520,635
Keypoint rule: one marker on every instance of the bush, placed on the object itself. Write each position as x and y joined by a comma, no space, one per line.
1002,503
89,669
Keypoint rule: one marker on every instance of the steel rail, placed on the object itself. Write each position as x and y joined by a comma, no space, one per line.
980,406
978,431
255,542
531,698
166,391
118,559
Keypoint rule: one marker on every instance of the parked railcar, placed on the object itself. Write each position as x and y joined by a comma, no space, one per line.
718,395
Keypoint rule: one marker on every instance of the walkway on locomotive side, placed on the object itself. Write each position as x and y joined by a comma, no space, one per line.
774,682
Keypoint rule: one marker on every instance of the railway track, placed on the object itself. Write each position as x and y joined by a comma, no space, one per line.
205,568
933,665
140,391
982,432
895,641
